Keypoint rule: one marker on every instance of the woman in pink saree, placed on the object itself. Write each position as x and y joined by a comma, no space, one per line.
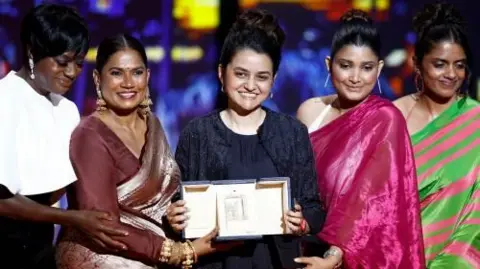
364,160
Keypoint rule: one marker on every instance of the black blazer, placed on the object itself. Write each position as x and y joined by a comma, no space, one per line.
205,141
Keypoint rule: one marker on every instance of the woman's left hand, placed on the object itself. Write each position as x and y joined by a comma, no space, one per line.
295,222
332,260
317,263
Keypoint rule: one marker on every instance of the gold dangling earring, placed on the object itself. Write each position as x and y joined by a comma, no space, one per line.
146,103
101,104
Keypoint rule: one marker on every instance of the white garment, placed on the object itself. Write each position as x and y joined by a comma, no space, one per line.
34,138
316,123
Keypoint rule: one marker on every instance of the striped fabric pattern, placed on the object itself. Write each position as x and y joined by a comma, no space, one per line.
447,156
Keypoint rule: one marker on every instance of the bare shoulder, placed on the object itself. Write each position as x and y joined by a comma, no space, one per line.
311,108
405,103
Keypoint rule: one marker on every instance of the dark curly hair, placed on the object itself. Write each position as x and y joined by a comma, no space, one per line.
437,23
356,29
257,30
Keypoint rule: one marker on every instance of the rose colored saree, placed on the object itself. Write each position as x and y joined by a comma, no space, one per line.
135,191
366,179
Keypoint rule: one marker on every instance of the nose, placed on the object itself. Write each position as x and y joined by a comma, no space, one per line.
71,71
127,81
354,76
451,73
250,85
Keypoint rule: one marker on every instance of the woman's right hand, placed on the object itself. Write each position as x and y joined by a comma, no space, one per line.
98,226
177,216
205,245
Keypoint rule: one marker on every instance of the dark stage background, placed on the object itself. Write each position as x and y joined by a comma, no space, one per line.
183,37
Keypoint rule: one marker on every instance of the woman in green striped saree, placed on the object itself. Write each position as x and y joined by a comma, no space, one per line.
445,131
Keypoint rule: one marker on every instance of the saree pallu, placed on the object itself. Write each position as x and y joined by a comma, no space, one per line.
141,201
447,156
367,182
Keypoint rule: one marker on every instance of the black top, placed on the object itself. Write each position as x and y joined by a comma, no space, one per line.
208,150
248,159
26,244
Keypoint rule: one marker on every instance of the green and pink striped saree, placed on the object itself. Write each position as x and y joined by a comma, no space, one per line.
447,155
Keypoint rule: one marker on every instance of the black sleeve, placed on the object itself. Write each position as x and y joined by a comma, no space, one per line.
307,181
183,154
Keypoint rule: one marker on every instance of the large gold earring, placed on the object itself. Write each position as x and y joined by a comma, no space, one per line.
146,103
101,104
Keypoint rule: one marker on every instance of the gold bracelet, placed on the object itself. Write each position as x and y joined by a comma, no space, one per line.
166,251
188,261
195,256
177,254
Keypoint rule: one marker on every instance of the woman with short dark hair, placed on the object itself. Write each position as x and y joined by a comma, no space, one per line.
36,124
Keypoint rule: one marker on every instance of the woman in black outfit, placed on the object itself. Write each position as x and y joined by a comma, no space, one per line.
246,140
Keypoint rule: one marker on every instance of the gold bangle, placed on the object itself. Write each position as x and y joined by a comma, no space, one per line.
195,256
166,251
177,254
188,261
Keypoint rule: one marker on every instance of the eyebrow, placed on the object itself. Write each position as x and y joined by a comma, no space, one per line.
351,62
446,61
128,68
238,68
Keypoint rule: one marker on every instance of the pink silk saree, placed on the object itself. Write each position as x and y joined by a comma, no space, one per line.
367,182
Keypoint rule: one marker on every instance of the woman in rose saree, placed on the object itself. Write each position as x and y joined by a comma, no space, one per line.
444,124
364,160
124,167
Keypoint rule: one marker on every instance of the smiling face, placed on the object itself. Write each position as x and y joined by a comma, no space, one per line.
443,69
247,80
354,71
57,74
123,80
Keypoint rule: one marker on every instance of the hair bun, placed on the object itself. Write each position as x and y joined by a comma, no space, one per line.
356,16
258,19
437,14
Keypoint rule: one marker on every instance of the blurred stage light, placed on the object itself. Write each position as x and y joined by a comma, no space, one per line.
199,15
396,58
155,54
186,54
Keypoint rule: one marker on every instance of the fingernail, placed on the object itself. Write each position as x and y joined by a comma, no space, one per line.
296,260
